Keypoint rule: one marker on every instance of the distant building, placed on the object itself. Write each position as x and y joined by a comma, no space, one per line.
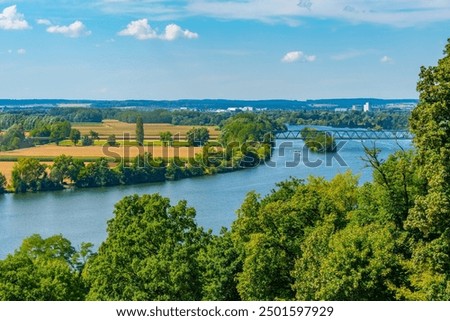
340,110
366,107
247,108
74,105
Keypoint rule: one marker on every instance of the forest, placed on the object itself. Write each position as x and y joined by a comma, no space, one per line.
388,239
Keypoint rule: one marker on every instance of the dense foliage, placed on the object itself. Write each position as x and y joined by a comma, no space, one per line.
3,183
44,270
197,136
139,131
30,175
377,119
247,139
14,138
318,141
166,138
151,253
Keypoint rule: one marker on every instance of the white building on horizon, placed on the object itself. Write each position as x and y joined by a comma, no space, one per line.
366,107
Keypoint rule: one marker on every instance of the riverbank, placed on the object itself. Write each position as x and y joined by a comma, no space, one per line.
29,174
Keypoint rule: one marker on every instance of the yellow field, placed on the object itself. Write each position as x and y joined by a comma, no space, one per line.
106,128
151,131
7,167
52,150
117,153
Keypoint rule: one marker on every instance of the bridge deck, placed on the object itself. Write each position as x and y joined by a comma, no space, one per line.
352,134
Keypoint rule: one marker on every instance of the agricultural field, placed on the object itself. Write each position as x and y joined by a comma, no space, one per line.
7,167
89,153
152,131
124,150
50,151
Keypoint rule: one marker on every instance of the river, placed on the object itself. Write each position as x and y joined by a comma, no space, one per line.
81,215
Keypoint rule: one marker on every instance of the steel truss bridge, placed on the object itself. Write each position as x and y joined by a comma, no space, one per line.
348,134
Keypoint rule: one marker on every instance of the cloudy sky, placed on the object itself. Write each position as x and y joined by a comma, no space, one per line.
236,49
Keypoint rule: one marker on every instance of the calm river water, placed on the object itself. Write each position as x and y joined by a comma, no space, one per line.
82,215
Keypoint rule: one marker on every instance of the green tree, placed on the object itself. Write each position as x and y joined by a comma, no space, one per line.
151,253
94,135
197,136
75,136
143,169
29,174
3,183
96,174
139,131
219,264
268,233
86,140
60,131
248,127
111,141
355,263
429,220
14,138
66,168
430,122
318,141
44,270
166,138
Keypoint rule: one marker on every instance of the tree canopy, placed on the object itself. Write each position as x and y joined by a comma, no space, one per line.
139,131
151,253
44,270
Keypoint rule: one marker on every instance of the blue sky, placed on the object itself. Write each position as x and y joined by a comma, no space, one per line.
240,49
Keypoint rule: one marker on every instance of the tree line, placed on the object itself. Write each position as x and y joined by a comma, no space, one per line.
376,119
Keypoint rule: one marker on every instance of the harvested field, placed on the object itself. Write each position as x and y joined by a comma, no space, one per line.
152,131
89,152
6,169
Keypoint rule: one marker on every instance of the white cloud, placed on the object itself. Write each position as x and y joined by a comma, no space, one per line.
141,29
386,60
294,56
10,19
44,22
74,30
174,31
